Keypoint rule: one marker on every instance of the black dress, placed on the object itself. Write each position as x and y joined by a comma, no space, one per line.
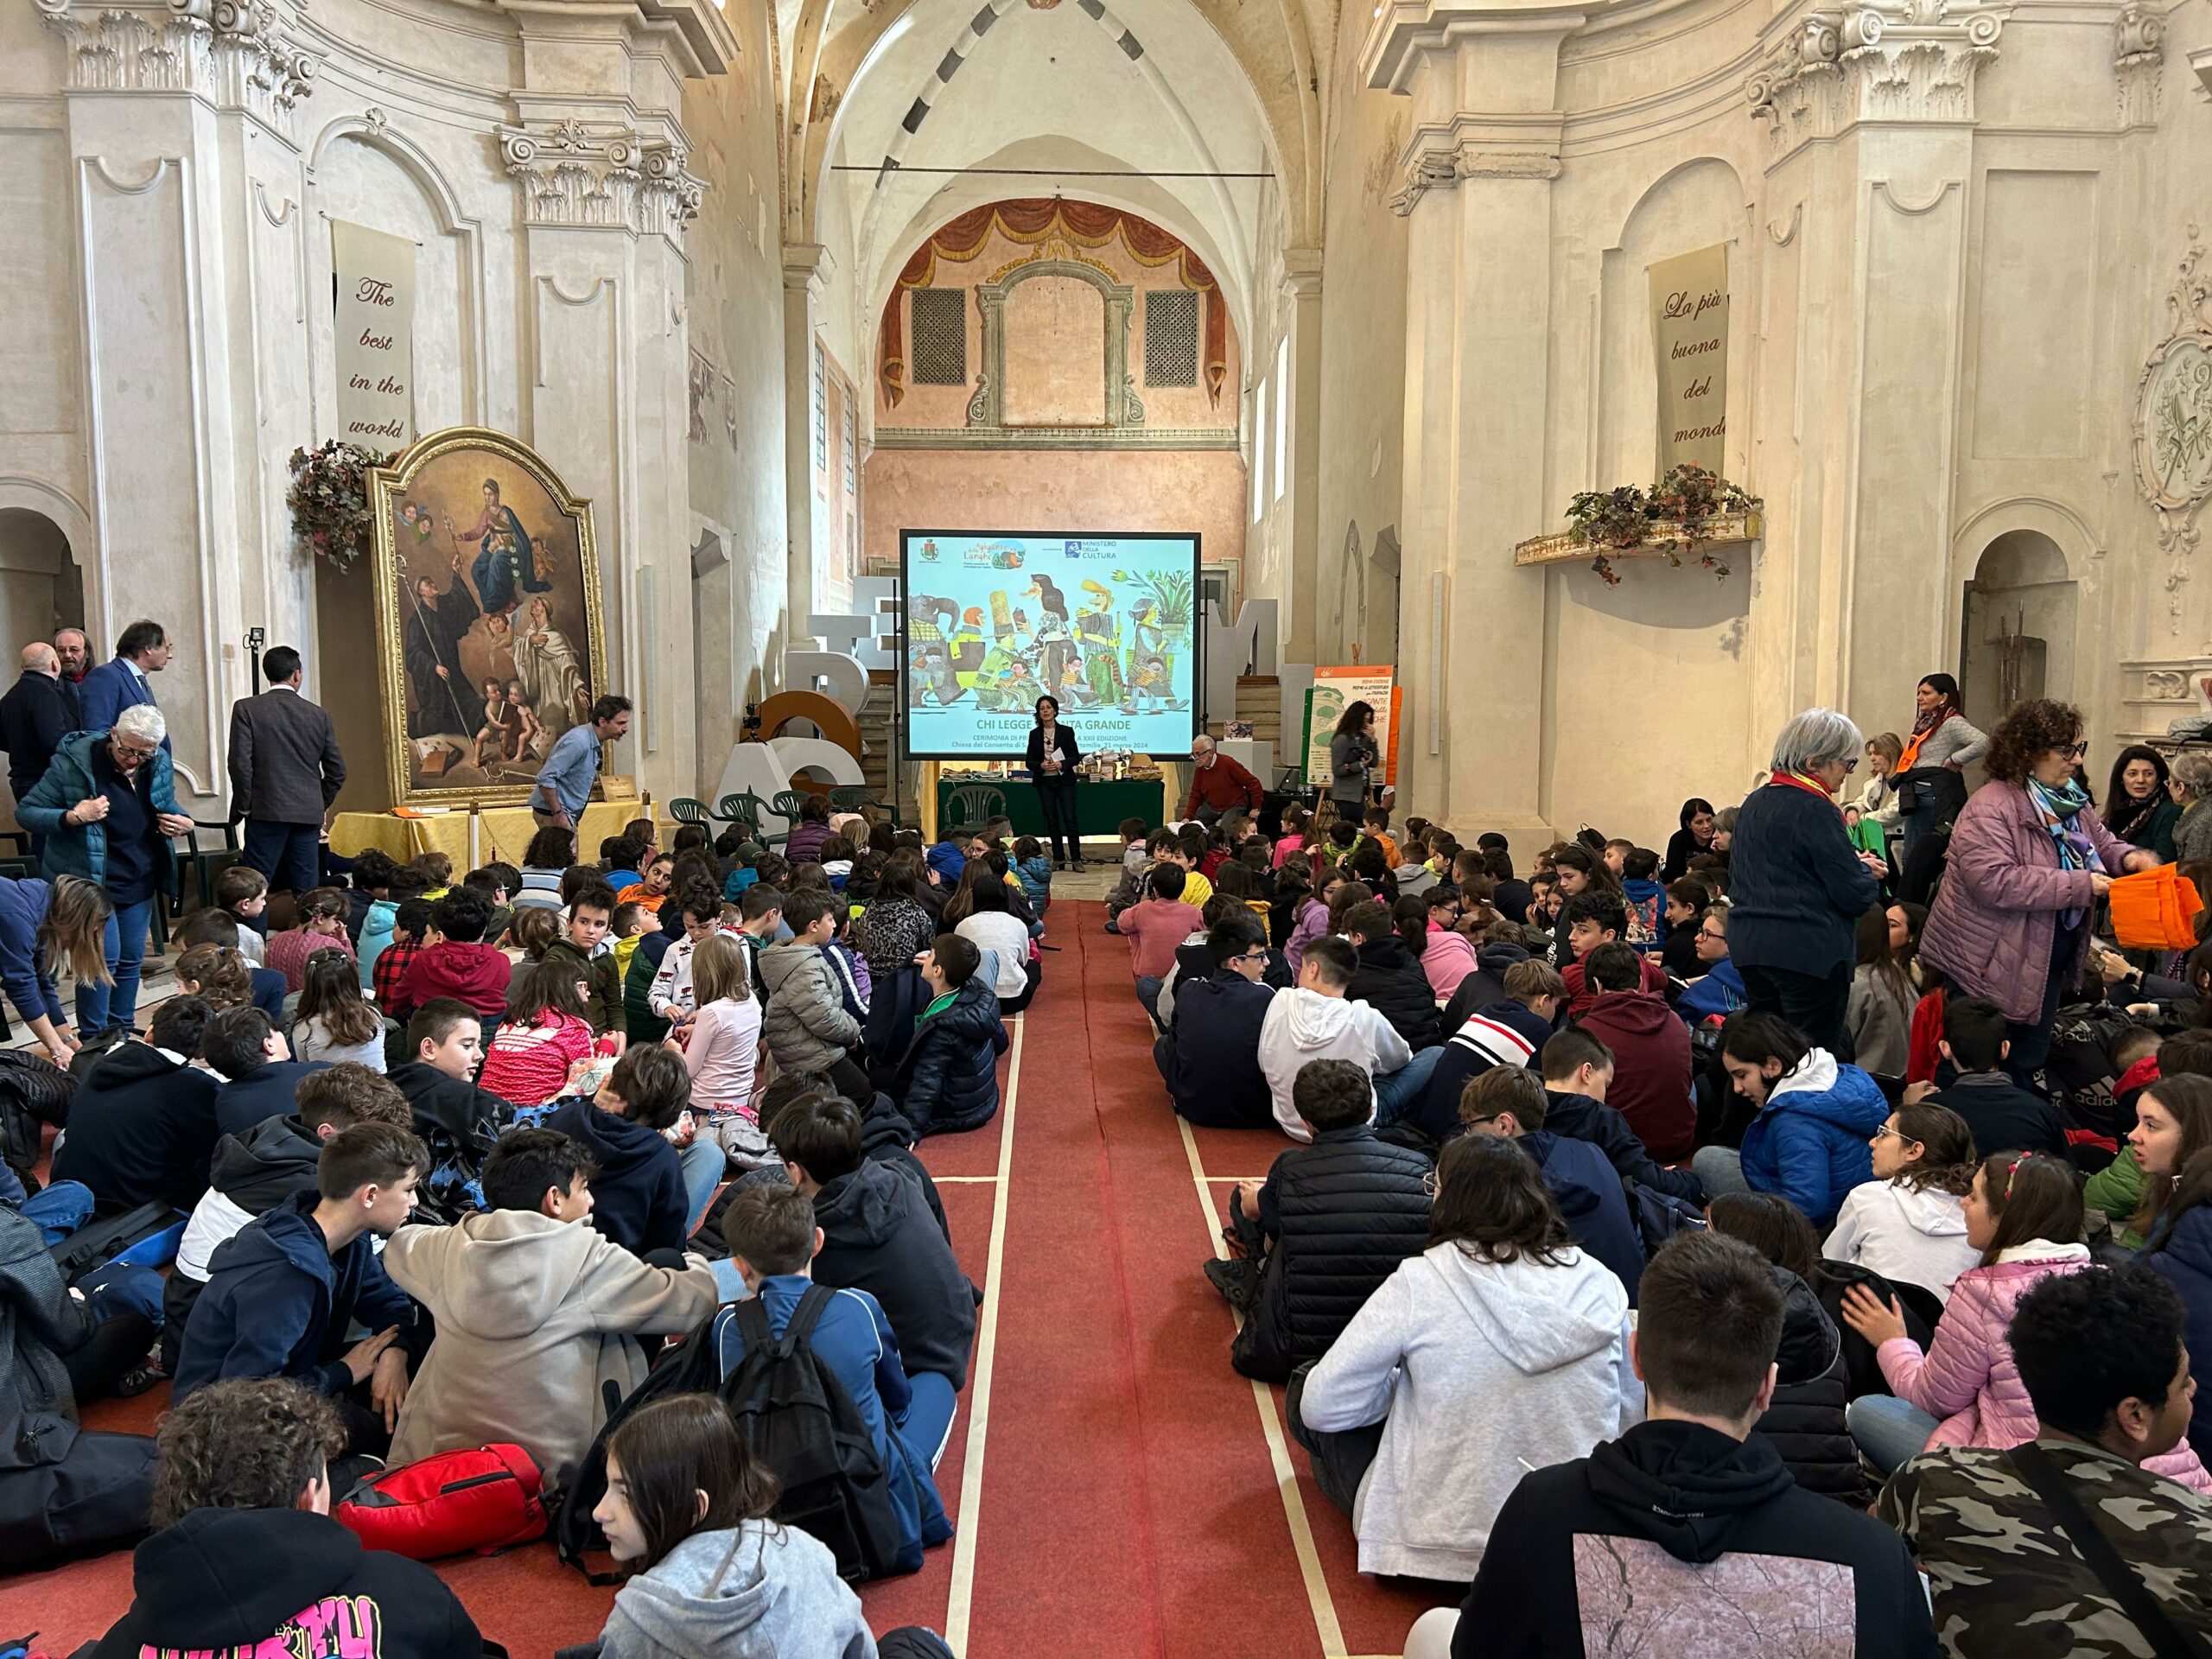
1056,791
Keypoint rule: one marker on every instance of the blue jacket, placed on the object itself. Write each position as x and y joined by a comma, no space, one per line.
855,1344
2186,1259
949,1079
638,1197
1796,886
376,933
1590,1197
948,858
1810,1143
81,849
266,1091
1720,994
106,691
278,1304
25,973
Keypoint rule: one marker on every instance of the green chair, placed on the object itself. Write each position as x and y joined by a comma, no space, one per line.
684,810
859,797
743,809
784,804
973,805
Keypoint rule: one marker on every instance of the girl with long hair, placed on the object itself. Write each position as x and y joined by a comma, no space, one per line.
1500,1346
551,850
2023,1215
2183,1254
218,975
1879,1013
983,911
1908,1224
2173,1123
333,1022
542,1039
725,1044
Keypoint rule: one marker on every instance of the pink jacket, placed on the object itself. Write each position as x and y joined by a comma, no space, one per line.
1449,958
1996,914
1312,923
1967,1378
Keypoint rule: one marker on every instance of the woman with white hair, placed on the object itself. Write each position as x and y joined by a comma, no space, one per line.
107,808
1797,884
2192,786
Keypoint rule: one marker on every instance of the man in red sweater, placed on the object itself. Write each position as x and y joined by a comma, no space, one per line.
1219,783
457,962
1651,1053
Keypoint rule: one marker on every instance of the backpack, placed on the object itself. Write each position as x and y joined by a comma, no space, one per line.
799,1421
34,1092
1659,1216
689,1367
146,1236
482,1500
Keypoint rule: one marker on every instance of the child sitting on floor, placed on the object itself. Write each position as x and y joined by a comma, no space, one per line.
545,1036
244,892
1034,872
773,1240
640,1181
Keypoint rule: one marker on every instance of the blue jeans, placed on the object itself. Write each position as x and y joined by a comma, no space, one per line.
124,945
704,1163
288,853
1398,1092
1889,1431
60,1211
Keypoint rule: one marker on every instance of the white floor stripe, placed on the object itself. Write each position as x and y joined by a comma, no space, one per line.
1301,1532
979,1386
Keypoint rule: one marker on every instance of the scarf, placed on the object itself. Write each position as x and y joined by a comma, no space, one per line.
1803,781
1922,729
2131,815
2059,807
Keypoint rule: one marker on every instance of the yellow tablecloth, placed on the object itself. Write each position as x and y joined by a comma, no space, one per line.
502,833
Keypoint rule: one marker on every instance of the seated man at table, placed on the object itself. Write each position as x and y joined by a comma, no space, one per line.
1219,783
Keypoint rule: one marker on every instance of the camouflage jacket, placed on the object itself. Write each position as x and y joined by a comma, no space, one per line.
2005,1579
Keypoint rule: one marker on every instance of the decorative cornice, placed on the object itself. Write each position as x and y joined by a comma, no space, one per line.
601,176
2138,56
236,54
1055,437
1433,166
1889,60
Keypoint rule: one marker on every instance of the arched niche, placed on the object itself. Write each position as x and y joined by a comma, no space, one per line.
1119,405
41,587
2019,616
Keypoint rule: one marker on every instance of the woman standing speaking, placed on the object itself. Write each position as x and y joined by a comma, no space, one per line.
1352,756
1052,756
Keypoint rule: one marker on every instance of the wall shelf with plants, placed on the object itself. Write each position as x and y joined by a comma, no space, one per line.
1690,515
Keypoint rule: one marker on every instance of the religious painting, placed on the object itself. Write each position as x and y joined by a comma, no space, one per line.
489,627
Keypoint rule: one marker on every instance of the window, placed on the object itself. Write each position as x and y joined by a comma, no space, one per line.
940,327
852,446
1282,415
1259,451
821,408
1171,337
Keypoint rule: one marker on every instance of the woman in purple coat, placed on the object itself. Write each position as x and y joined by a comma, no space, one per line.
2029,860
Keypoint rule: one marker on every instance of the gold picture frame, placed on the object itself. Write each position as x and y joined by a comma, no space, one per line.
485,564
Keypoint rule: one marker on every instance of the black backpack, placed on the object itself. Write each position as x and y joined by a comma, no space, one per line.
34,1092
691,1367
1659,1216
799,1421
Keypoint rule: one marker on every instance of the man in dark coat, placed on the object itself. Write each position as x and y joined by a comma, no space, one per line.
38,712
285,775
434,626
1319,1236
1210,1055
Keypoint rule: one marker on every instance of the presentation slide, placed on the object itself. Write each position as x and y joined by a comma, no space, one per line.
994,621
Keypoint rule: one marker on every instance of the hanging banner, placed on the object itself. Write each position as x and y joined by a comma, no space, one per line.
1689,340
1336,689
375,336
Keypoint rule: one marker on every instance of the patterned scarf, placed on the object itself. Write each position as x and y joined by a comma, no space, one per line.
1921,727
2124,815
1806,781
2060,806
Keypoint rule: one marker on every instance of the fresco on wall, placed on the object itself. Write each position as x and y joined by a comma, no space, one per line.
488,615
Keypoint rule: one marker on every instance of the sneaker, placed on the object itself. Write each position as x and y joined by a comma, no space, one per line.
1236,1282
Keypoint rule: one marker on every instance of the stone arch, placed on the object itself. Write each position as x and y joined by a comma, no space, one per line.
2018,615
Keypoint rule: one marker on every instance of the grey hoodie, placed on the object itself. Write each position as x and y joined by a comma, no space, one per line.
756,1591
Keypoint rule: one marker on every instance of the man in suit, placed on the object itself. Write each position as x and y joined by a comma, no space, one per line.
125,682
38,712
285,771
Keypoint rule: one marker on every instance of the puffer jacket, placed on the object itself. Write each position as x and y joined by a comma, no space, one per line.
1967,1376
1995,917
949,1079
1448,959
805,842
1345,1211
1805,1421
1389,980
2185,1258
1312,923
40,1321
805,1023
1810,1143
81,849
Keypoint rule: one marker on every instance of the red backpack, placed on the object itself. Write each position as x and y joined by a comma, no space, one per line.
483,1500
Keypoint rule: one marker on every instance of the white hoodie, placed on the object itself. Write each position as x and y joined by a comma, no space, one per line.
1478,1374
1303,1026
1908,1236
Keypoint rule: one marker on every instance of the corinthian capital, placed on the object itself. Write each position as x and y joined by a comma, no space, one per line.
1827,68
236,54
601,176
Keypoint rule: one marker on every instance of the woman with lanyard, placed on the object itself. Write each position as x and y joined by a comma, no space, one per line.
1798,886
2028,861
1352,755
1930,784
1052,755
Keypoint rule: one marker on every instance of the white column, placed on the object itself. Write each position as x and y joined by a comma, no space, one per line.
802,289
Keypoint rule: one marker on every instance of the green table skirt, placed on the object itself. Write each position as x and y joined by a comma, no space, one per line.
1099,806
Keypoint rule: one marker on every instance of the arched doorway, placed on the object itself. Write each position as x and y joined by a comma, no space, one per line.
2018,628
41,587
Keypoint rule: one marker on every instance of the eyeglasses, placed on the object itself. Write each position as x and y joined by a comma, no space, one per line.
2077,752
1851,766
1708,933
1886,1129
1428,1184
131,751
1259,955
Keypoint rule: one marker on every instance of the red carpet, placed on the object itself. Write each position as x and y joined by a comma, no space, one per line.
1128,1507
